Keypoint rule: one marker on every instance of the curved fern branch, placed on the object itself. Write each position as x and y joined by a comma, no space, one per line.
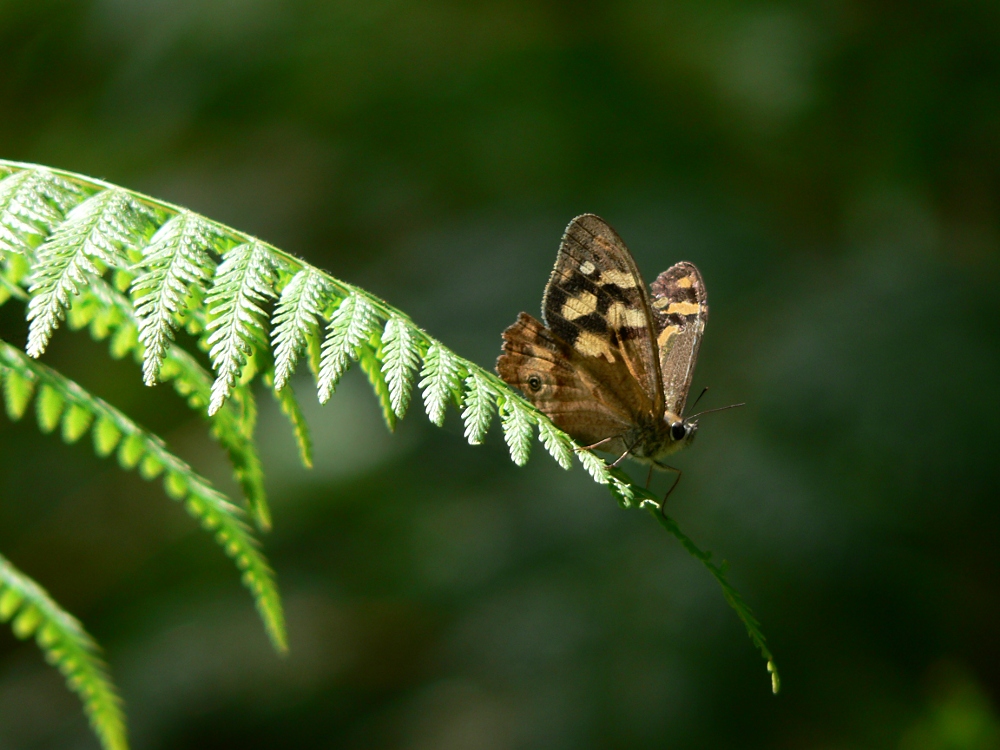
67,646
256,310
60,401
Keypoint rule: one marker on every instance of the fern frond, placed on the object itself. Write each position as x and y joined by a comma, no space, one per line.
400,359
176,261
95,233
296,319
244,280
67,646
480,400
31,202
557,443
140,448
517,423
79,249
441,381
351,325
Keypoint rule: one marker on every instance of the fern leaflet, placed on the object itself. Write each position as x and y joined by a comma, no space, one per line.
296,319
371,366
351,325
291,409
176,260
557,443
400,359
517,430
244,280
94,233
66,645
479,404
441,381
31,202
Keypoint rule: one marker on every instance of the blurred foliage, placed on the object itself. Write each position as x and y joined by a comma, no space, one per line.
832,167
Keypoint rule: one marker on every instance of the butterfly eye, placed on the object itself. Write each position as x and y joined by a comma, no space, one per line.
535,383
678,431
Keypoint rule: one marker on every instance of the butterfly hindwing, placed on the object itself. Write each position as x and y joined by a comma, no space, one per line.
680,311
596,302
584,402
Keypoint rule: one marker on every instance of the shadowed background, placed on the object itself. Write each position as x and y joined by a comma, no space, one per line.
834,170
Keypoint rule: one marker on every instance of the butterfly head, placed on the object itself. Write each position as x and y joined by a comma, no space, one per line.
682,431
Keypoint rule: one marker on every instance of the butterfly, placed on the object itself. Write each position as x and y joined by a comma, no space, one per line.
611,365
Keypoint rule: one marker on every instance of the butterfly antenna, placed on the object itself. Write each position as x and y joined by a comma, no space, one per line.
709,411
703,392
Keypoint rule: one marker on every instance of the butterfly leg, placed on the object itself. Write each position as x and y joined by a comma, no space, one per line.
663,505
599,443
621,458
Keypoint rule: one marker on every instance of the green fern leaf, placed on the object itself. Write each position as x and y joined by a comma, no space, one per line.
32,201
75,423
244,279
479,404
400,360
296,319
176,260
517,430
351,325
233,427
67,645
371,366
131,451
594,465
49,407
93,234
106,436
290,406
17,392
441,381
621,490
557,443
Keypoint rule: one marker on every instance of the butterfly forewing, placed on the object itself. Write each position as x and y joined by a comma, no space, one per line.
680,311
597,303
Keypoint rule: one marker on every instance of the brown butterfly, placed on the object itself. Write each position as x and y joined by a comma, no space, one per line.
611,365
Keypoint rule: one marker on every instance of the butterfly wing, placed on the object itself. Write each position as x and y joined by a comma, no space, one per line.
680,311
596,302
586,399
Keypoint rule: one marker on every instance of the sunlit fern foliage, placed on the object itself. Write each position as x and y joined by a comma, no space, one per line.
136,271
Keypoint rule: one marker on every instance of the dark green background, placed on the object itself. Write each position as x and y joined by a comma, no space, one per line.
832,167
